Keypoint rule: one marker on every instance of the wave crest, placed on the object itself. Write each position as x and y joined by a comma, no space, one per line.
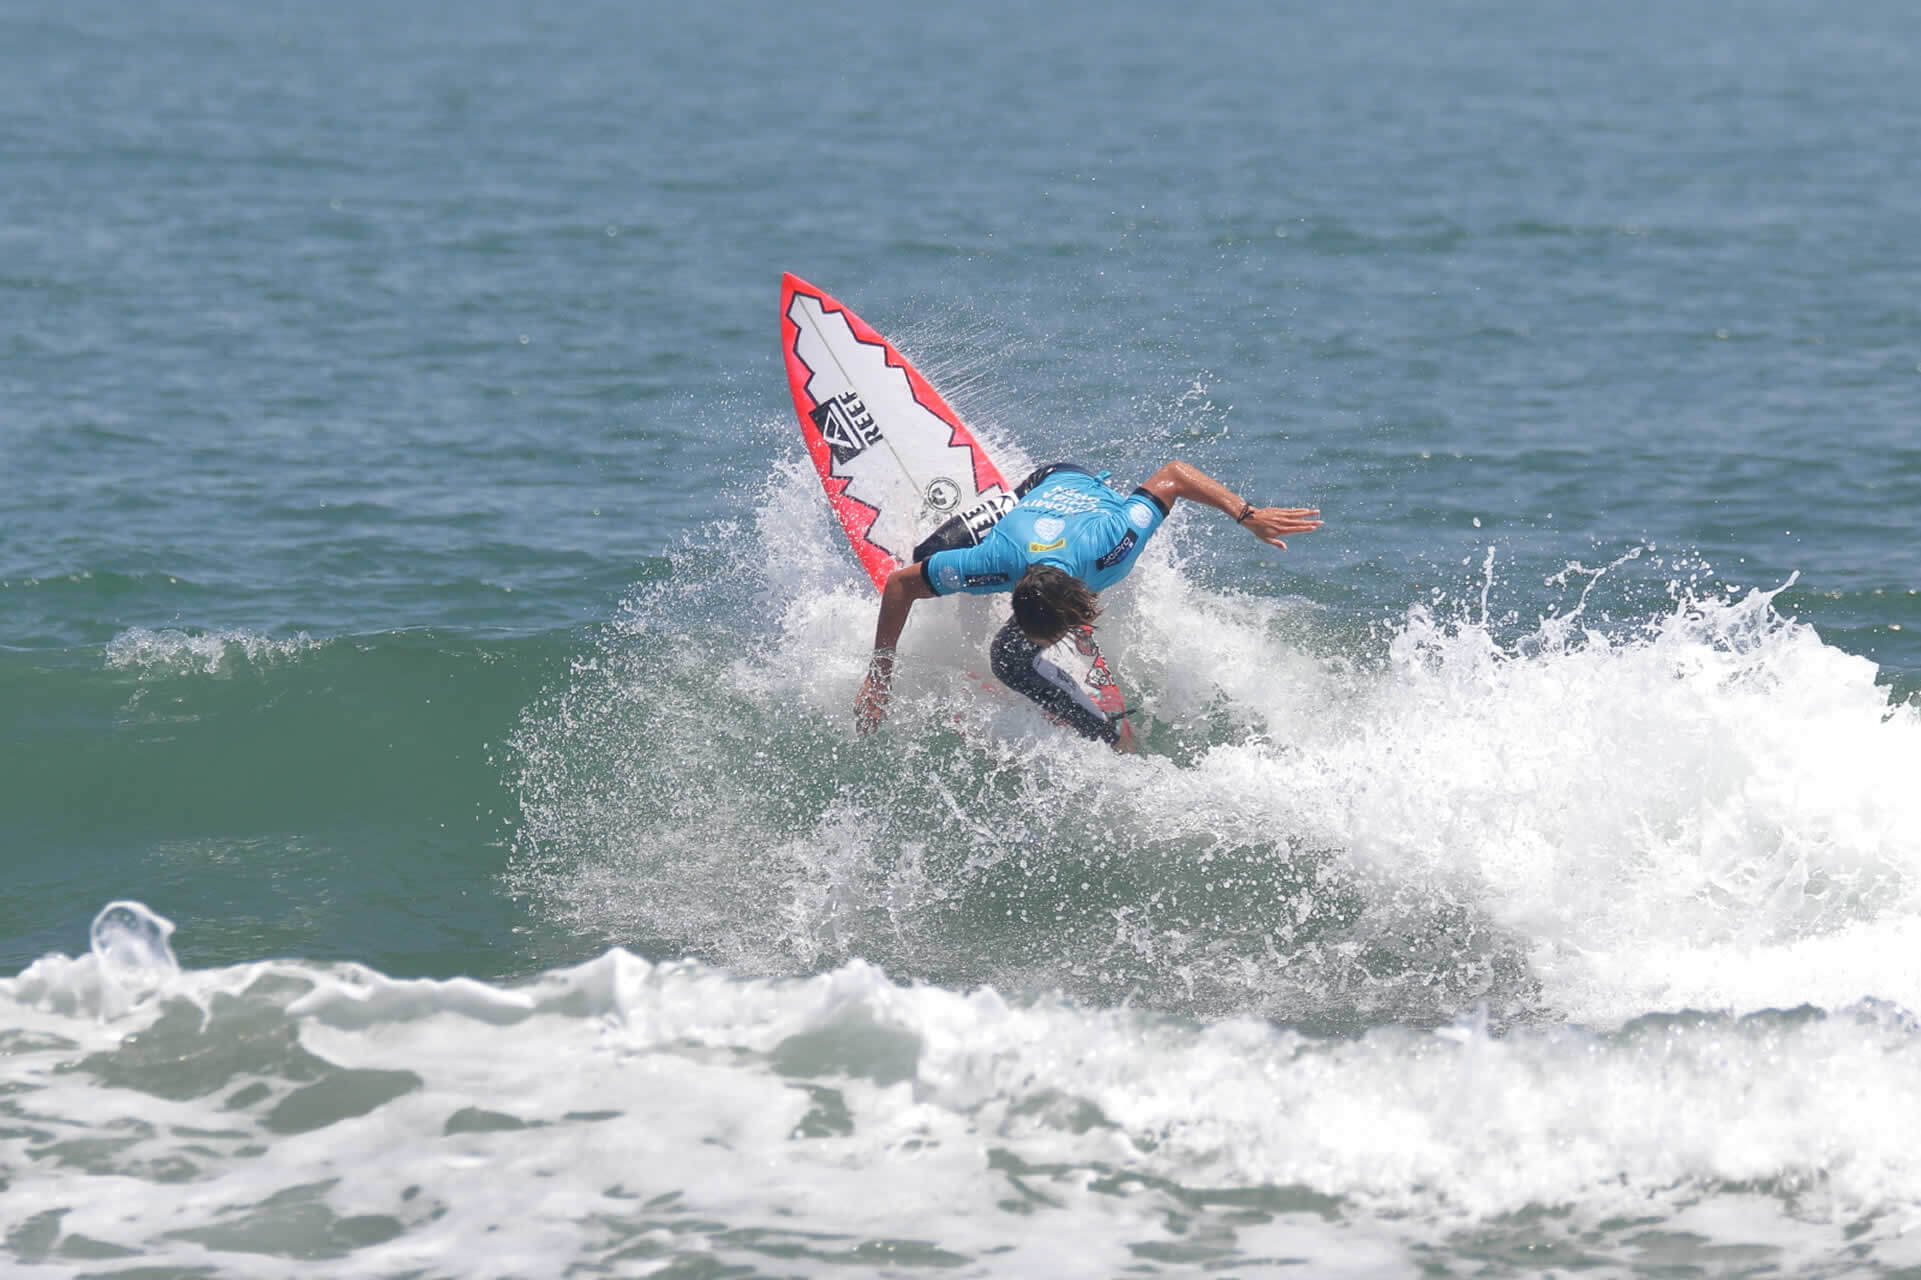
174,652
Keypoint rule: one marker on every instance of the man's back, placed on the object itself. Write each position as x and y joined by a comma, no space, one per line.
1071,520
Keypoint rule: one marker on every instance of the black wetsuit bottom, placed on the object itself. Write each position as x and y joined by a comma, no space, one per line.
1012,659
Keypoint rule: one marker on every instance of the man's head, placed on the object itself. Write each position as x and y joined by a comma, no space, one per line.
1050,602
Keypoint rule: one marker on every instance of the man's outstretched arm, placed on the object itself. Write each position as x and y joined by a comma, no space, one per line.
1182,480
904,586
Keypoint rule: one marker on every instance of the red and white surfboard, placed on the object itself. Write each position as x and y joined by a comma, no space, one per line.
896,461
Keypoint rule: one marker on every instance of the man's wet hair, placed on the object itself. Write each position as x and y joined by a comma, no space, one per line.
1049,602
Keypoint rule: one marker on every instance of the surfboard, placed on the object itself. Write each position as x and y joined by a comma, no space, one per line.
897,462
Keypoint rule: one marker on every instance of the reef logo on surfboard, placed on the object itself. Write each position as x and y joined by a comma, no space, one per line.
846,426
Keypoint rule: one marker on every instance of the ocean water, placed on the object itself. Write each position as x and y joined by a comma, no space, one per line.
435,841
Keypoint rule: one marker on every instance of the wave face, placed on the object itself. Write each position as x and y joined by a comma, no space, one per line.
329,797
632,1116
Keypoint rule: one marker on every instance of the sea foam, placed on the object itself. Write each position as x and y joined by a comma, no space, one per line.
624,1110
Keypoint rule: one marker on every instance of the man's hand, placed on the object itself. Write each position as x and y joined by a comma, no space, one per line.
870,704
1269,523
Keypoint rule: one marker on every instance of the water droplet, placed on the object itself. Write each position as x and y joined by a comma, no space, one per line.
130,943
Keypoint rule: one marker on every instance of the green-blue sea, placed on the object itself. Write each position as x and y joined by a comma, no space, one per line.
435,841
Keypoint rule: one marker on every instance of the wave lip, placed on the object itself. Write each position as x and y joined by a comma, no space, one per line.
1652,794
174,652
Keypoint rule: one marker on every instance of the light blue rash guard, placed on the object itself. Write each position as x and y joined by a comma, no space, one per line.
1070,520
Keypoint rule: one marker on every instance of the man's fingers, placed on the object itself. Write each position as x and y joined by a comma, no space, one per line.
870,706
1271,522
1284,522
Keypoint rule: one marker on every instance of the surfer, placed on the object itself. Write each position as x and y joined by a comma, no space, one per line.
1067,539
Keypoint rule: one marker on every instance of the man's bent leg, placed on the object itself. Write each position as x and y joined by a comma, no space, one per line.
1012,659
